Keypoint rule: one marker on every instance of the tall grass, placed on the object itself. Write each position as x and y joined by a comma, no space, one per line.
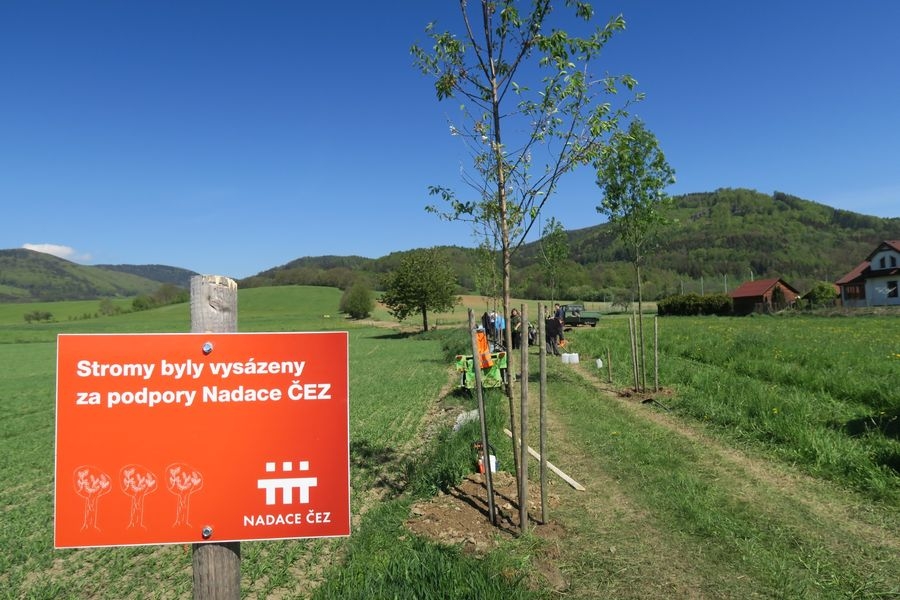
818,392
386,562
737,534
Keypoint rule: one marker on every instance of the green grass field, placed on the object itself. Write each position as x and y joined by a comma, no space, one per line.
818,392
772,475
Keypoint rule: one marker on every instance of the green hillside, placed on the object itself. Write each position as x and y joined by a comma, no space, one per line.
29,276
160,273
733,235
717,239
731,231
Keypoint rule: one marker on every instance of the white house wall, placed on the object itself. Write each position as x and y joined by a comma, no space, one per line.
877,291
891,259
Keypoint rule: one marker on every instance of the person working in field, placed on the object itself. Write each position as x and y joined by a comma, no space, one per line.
560,314
499,328
515,323
553,334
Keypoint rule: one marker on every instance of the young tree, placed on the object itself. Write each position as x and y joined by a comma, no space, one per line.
556,126
554,249
487,273
424,281
633,174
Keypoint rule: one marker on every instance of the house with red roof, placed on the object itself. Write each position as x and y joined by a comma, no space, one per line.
762,295
874,281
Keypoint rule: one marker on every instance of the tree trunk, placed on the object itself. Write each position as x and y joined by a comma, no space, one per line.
497,147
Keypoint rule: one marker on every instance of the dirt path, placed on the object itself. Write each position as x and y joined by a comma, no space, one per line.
461,517
843,511
600,543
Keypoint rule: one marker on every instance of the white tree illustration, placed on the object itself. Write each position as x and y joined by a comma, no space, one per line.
183,481
90,484
137,482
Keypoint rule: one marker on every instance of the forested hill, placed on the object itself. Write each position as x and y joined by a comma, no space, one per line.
716,239
742,234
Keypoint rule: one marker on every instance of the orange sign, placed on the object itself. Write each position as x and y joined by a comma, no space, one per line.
180,438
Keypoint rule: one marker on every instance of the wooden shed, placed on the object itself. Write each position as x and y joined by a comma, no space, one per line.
763,295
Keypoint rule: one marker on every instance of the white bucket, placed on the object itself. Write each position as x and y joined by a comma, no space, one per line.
570,358
493,461
599,363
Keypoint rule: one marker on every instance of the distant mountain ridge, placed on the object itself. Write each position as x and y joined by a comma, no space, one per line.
718,238
29,276
743,234
161,273
727,236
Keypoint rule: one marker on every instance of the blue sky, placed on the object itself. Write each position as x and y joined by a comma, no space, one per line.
232,137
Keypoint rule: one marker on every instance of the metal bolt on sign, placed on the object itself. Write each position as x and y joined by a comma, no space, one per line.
207,532
207,347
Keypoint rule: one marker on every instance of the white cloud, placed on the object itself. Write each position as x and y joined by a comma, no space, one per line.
66,252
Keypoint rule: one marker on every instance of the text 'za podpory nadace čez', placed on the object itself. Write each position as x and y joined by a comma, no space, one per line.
189,371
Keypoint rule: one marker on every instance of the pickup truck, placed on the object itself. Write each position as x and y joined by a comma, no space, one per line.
575,315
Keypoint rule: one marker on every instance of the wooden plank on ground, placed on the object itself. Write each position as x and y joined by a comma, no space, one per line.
552,467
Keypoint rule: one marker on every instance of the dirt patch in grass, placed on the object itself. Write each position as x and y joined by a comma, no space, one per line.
460,517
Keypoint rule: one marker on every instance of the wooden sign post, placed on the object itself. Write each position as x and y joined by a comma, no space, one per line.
207,438
216,565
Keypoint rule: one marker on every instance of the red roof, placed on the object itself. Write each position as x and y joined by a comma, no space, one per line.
854,274
758,288
893,244
860,269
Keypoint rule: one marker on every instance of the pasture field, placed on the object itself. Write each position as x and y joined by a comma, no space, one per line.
393,383
766,468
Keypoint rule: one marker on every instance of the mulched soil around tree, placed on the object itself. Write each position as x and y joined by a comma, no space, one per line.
460,517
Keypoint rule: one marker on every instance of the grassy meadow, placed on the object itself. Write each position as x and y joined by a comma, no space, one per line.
821,393
765,468
395,379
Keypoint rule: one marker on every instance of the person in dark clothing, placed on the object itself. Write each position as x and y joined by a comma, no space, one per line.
560,314
515,323
552,334
488,325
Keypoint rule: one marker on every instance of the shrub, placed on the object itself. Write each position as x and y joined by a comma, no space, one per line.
695,304
358,301
107,308
142,302
38,315
165,295
822,294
